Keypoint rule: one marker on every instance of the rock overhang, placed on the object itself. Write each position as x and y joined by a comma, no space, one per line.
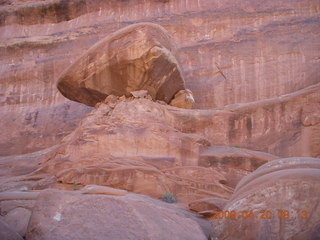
138,57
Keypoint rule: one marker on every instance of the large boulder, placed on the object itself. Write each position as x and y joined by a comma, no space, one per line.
72,215
280,200
137,57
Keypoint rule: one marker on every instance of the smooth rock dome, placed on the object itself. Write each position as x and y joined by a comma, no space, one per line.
137,57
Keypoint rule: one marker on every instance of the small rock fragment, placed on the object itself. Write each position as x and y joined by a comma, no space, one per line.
139,94
183,99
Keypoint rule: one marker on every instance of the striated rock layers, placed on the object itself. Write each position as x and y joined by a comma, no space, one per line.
133,144
280,200
252,67
230,52
138,57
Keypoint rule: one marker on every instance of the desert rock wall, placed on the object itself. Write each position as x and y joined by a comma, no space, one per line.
230,52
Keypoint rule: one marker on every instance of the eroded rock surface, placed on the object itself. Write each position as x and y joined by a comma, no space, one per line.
138,57
288,189
205,204
61,215
7,233
183,99
230,52
233,162
133,144
18,219
139,145
252,67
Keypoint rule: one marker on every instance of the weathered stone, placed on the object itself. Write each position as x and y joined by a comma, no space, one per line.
58,215
7,233
235,162
310,115
94,189
280,200
183,99
18,219
252,67
6,196
140,94
138,57
231,52
213,204
135,146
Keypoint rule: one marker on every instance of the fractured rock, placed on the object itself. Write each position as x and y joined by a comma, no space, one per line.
137,57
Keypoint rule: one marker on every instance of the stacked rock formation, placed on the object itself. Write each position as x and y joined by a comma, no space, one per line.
138,57
230,53
252,68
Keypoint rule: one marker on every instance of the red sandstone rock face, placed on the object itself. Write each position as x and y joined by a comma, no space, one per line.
138,57
58,215
147,147
253,68
230,53
288,189
205,204
183,99
133,144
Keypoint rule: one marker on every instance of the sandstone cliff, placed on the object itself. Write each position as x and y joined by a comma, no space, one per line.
230,53
108,107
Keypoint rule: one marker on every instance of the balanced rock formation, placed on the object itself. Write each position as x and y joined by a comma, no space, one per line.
138,57
251,65
230,52
62,214
280,200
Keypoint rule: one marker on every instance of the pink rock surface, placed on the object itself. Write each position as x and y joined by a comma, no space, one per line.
7,233
231,52
252,67
137,57
205,204
132,144
71,215
18,219
288,189
183,99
